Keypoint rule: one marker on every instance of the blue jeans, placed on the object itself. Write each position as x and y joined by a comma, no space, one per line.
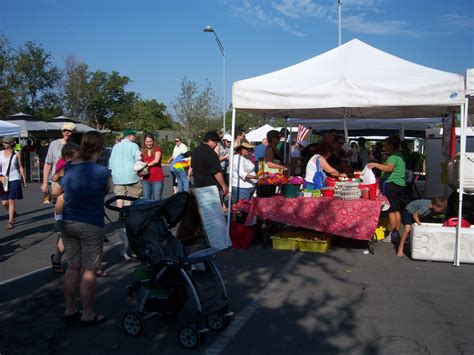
183,182
152,190
245,193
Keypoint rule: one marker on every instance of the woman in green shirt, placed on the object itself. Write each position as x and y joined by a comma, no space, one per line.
393,175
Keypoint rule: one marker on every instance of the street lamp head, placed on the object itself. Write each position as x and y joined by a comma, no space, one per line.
208,29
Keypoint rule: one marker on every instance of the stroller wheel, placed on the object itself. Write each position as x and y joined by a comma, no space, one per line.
216,321
189,337
132,323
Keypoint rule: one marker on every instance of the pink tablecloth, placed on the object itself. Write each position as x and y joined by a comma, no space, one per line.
352,219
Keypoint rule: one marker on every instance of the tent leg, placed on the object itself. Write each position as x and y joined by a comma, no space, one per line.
464,110
231,171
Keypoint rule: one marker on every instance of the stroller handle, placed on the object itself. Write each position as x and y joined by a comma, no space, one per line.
108,203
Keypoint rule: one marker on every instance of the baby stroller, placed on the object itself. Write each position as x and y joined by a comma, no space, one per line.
169,276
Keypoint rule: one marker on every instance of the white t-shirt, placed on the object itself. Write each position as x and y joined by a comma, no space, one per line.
311,168
179,149
242,167
14,172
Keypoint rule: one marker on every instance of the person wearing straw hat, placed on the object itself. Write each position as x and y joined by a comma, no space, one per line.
243,173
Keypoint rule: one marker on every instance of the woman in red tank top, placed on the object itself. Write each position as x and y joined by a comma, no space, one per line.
152,183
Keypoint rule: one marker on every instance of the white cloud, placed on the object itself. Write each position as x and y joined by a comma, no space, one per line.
359,24
458,21
254,11
288,14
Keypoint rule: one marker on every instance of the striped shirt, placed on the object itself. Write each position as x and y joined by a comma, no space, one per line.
422,207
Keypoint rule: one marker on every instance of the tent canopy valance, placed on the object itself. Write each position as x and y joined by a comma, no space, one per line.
9,129
353,80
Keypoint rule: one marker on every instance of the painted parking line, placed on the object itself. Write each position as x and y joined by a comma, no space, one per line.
243,317
16,278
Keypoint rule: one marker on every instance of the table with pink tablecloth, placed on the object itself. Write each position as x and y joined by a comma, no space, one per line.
355,219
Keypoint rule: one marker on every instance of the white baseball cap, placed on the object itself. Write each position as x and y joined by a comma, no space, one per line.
227,137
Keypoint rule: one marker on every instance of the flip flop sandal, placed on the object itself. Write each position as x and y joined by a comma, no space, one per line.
74,317
57,267
10,225
98,318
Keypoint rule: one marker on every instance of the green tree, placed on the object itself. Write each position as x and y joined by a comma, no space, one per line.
195,108
76,86
7,78
147,116
36,75
108,101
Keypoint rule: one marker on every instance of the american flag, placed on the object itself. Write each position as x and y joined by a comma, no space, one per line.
302,133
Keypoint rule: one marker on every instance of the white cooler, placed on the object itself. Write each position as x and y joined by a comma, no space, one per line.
432,241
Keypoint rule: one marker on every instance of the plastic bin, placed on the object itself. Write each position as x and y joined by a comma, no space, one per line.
314,246
284,243
432,241
291,190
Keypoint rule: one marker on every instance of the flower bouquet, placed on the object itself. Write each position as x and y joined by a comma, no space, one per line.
240,210
267,183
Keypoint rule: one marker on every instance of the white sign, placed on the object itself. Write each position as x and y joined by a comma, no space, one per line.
210,208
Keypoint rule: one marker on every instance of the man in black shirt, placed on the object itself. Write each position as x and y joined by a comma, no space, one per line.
205,164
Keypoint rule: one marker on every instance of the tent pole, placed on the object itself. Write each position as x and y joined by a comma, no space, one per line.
289,149
231,172
346,130
461,181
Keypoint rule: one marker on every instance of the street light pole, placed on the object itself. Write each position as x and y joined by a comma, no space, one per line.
221,47
339,6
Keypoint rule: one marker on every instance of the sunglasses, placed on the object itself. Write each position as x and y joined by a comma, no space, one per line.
67,130
177,141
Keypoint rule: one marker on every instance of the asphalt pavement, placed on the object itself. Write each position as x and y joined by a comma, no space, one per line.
340,302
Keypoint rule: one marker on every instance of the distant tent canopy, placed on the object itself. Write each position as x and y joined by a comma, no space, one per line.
9,129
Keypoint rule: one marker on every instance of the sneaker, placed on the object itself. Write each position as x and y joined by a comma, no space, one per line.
387,239
59,226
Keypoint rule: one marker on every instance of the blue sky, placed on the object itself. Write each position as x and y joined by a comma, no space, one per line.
158,43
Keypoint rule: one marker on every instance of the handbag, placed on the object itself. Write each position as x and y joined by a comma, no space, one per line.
319,179
5,177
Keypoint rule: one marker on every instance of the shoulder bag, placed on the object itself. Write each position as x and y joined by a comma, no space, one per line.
319,180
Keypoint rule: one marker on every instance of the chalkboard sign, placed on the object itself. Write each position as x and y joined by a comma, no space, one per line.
210,209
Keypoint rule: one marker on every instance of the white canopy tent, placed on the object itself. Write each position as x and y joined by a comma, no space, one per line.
80,127
9,129
31,125
258,134
354,80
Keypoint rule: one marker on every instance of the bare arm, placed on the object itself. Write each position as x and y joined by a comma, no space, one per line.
269,156
220,179
416,218
328,168
20,167
156,160
46,170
